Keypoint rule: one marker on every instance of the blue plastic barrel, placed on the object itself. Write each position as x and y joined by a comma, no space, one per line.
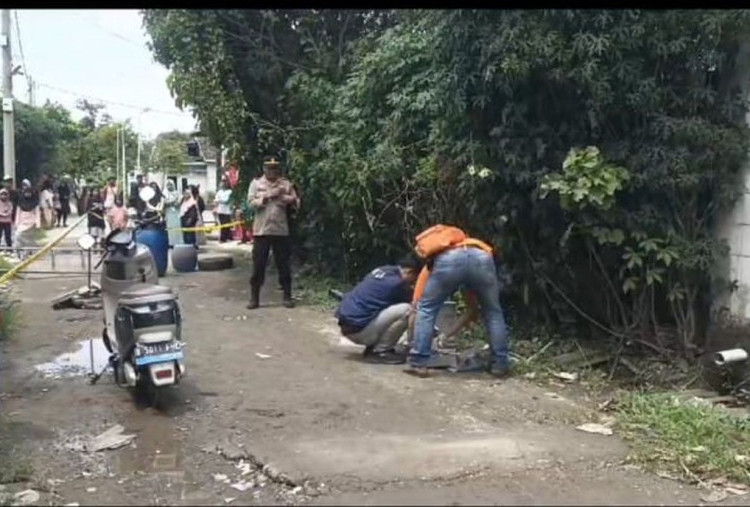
157,240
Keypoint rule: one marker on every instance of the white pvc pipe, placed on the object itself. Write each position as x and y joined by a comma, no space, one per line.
730,356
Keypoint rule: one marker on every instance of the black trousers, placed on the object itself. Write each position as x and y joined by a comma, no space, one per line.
282,250
225,234
188,237
6,230
62,215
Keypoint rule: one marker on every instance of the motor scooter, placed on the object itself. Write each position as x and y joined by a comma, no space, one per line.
142,320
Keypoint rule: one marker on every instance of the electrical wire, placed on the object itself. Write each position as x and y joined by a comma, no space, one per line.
106,101
26,71
118,36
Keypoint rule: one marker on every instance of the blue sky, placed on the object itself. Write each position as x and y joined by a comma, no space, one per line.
96,54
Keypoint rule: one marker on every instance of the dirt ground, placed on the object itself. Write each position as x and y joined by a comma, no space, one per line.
277,395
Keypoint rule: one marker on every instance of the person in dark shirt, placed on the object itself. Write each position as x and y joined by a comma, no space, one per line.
376,312
63,192
95,209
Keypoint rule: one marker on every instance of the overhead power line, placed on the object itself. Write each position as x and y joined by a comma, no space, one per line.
121,37
26,71
107,101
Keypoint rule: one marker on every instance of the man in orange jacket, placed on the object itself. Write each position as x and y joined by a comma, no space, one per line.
468,263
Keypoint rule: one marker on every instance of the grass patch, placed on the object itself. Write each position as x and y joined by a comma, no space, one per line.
312,290
39,235
14,464
8,310
9,320
692,441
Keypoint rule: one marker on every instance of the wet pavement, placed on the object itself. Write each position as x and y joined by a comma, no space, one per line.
90,356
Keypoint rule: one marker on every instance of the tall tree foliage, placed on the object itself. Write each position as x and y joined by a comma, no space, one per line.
594,147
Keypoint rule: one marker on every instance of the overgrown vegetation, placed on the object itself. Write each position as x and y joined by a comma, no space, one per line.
8,310
314,291
394,120
693,441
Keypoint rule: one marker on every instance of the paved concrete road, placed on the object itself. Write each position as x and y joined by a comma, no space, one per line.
277,404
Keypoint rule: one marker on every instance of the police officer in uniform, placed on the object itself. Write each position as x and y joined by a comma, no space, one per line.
270,197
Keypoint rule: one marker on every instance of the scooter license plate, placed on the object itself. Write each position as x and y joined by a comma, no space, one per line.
159,353
159,358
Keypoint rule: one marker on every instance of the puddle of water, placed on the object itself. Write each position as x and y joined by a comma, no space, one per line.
156,450
156,457
78,362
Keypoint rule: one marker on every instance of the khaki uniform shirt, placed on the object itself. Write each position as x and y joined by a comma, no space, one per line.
271,215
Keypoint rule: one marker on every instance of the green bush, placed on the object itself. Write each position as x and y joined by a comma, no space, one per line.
391,121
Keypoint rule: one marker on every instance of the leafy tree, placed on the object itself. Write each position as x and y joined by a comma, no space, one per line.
40,135
169,153
391,121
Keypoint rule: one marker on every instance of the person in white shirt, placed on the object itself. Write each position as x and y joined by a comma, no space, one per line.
111,191
46,205
223,210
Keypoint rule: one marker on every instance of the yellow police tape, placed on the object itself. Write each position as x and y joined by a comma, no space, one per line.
11,273
46,248
206,228
203,228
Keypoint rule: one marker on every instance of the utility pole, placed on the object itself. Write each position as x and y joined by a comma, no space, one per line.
9,142
124,170
117,154
31,92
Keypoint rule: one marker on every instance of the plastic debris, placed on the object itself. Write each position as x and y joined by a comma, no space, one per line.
595,428
113,438
26,497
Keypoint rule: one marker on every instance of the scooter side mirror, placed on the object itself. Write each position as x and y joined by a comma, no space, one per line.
146,193
86,242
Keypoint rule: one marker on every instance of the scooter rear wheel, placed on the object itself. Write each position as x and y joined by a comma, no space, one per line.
147,393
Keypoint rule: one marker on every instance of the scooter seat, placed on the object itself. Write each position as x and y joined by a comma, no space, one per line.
143,294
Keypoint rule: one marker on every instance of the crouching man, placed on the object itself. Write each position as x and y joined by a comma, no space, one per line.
376,312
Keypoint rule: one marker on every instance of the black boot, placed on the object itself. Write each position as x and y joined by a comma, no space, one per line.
288,302
254,298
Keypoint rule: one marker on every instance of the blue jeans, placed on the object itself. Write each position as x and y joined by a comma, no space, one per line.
472,269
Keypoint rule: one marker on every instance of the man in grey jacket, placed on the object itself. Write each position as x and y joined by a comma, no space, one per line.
270,196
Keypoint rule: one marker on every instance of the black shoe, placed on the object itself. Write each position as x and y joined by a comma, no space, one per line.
288,303
254,298
384,357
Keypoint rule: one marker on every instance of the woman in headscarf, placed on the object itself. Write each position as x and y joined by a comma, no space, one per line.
200,237
188,216
223,210
153,208
172,213
46,204
28,217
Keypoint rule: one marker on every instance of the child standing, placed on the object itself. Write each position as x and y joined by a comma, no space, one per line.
117,216
6,217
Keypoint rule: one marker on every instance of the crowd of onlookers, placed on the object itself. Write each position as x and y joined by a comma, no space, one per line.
42,206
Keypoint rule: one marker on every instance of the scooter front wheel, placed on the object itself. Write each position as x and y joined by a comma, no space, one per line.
107,343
